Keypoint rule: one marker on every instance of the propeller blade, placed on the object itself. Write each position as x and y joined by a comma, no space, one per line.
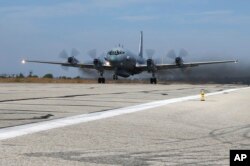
92,53
63,54
183,53
103,55
171,54
150,53
88,73
74,52
158,60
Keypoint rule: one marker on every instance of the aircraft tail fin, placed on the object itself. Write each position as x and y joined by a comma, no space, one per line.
141,45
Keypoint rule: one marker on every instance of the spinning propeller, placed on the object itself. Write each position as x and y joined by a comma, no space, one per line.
178,59
69,59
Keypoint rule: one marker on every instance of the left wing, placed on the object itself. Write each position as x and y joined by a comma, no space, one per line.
79,65
184,65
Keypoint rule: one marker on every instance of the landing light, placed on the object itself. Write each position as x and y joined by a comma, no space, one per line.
107,63
23,61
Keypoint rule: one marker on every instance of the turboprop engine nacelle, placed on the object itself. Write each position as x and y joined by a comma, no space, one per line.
178,61
97,63
72,60
151,65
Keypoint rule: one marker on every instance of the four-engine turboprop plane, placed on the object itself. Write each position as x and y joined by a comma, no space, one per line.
124,63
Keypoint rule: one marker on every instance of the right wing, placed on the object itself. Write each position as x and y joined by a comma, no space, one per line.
192,64
184,65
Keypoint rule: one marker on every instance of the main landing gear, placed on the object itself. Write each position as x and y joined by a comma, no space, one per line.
101,80
153,80
115,77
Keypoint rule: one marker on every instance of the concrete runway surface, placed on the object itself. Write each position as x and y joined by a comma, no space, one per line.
182,133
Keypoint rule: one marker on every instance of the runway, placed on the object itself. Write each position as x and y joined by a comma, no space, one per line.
180,133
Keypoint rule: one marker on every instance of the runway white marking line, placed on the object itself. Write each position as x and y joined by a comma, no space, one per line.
12,132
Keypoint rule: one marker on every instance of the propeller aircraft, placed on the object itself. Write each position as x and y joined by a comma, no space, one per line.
124,63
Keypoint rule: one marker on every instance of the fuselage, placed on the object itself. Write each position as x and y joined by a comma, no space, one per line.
123,61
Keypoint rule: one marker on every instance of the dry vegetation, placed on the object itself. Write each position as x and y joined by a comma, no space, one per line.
57,80
44,80
120,81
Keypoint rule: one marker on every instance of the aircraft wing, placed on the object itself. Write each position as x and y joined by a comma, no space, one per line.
79,65
184,65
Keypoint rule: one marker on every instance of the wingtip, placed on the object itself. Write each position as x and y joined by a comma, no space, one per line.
236,61
23,61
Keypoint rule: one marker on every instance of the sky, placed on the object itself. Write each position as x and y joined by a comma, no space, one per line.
40,30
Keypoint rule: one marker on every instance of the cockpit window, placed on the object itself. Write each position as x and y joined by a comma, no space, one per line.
116,52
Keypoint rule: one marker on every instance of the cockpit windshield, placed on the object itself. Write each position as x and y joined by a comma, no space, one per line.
116,52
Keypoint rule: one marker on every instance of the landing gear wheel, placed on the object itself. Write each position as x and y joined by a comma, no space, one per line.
101,80
115,77
153,80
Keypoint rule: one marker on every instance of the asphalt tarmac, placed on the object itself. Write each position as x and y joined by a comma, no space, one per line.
191,132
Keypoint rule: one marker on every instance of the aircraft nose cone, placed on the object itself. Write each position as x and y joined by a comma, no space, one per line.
112,58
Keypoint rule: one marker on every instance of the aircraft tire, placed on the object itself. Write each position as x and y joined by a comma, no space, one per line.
153,80
99,80
103,80
115,77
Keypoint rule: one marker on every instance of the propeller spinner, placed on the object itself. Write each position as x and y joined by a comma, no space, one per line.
177,59
70,59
